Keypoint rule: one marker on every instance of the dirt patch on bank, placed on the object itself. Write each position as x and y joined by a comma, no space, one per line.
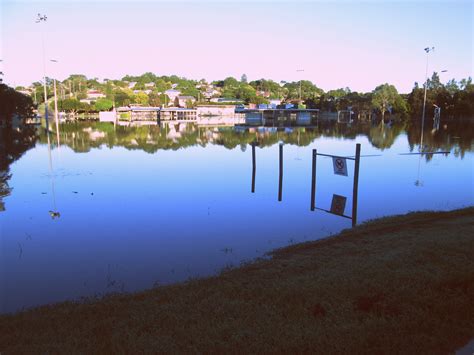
403,284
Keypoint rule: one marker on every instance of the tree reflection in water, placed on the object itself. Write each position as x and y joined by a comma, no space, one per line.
454,136
13,144
84,136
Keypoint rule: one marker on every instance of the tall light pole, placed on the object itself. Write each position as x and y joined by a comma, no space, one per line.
427,50
56,105
300,71
39,19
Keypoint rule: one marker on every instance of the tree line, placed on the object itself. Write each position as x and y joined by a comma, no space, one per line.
456,99
13,103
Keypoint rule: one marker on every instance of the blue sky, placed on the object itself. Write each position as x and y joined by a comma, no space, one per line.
338,44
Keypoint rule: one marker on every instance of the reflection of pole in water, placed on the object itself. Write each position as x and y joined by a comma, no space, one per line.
54,213
418,181
298,147
280,180
254,167
56,114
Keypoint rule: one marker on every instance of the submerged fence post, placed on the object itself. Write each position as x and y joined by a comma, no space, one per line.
254,167
356,185
313,180
280,185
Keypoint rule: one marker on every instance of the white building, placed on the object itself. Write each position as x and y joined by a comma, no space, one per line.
172,94
94,95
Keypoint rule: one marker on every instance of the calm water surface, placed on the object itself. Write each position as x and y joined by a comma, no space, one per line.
141,206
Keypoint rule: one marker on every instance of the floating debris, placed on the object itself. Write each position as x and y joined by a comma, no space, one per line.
54,214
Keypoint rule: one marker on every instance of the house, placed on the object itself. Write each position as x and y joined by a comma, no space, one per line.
263,93
172,94
27,92
132,84
182,101
210,92
94,95
144,91
274,102
150,85
226,100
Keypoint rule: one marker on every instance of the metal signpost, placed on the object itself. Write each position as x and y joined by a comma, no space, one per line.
338,204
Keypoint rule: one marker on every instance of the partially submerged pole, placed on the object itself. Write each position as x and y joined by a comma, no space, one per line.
313,180
355,190
254,167
280,180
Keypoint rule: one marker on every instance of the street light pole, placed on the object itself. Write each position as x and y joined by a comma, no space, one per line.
40,19
427,50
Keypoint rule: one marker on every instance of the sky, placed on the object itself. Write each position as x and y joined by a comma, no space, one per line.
355,44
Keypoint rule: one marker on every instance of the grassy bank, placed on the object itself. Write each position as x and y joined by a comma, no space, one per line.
402,284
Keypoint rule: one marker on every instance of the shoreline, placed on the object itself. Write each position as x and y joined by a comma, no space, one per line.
396,284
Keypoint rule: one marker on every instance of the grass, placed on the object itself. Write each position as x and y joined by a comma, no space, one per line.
402,284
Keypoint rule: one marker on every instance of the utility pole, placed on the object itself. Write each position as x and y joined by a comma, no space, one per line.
427,50
43,18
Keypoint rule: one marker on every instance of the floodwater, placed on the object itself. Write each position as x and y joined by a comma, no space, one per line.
121,209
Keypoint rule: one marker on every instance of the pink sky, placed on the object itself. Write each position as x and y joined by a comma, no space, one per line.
359,45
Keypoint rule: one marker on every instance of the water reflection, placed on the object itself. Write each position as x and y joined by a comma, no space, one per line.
54,212
162,203
14,142
82,136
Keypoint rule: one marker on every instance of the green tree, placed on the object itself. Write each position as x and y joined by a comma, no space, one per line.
384,97
104,105
81,96
69,105
189,104
13,102
154,99
122,98
140,98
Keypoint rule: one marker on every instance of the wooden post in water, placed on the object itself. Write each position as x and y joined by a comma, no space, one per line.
356,185
313,180
280,184
254,167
